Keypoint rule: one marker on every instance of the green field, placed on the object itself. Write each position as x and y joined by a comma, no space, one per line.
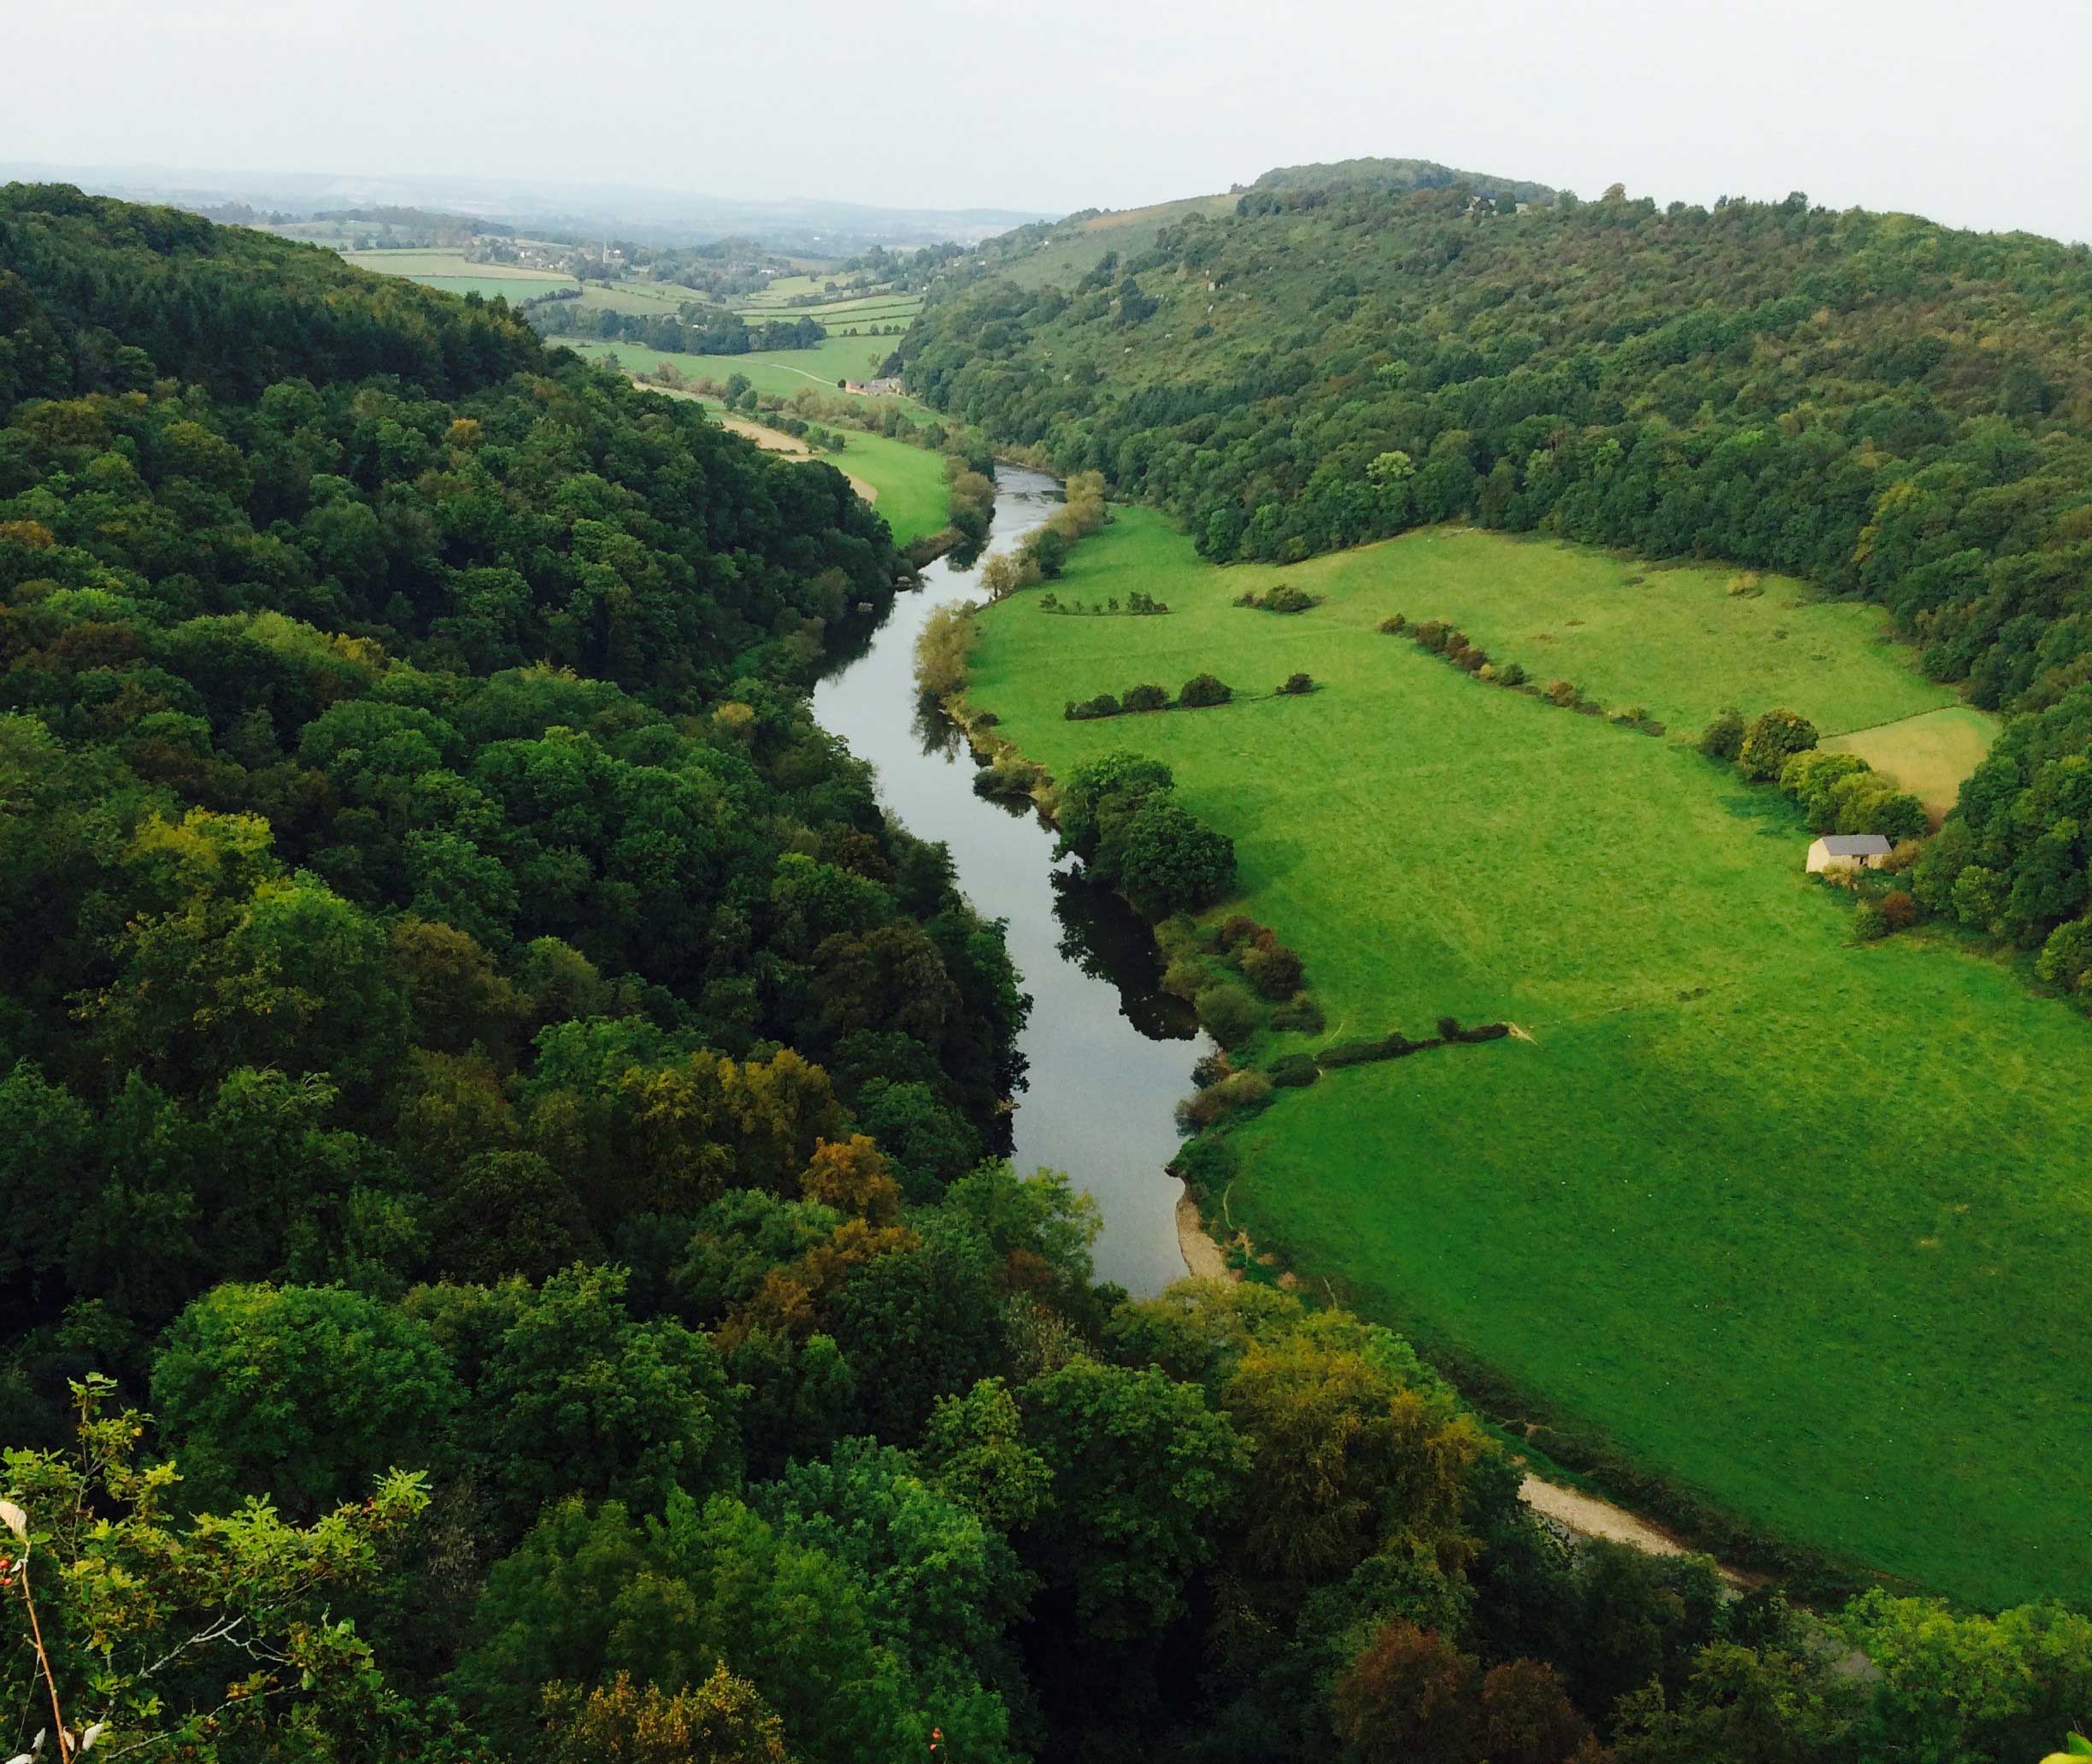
641,299
455,273
1928,755
779,372
1797,1223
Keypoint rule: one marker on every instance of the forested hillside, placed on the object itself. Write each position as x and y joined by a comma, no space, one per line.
494,1119
1886,407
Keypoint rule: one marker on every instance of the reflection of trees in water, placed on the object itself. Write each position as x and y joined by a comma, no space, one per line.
1103,936
937,734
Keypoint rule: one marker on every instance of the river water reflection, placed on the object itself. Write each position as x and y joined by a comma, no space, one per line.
1108,1053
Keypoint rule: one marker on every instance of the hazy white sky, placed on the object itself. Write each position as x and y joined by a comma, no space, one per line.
1978,115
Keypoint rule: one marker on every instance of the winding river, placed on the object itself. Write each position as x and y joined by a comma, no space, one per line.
1109,1053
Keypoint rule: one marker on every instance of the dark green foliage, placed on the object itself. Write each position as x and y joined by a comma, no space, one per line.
1723,738
1202,689
1116,814
1772,738
1296,683
1138,698
1293,1071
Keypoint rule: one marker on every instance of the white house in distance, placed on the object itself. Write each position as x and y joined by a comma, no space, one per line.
1864,852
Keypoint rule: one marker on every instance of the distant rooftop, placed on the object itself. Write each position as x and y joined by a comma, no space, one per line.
1856,845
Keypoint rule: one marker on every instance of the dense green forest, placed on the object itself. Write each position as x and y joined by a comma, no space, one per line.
503,1249
1888,407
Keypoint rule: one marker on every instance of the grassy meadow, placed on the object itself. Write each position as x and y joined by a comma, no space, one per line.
455,273
777,372
1794,1222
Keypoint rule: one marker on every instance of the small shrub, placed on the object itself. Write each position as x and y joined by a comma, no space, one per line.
1723,738
1294,1071
1275,973
1510,674
1103,705
1202,689
1900,911
1236,928
1228,1013
1473,659
1869,922
1184,977
1432,634
1209,1069
1284,599
1296,684
1145,698
1300,1014
1394,626
1562,693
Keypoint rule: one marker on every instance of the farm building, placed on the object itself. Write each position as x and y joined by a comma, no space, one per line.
1862,851
873,388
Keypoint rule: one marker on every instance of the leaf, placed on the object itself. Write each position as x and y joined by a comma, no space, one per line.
15,1519
2077,1746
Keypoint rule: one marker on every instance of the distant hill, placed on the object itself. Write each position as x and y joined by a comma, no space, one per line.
1396,175
646,214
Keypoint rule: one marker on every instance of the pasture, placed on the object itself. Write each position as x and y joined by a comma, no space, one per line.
779,372
1794,1222
455,273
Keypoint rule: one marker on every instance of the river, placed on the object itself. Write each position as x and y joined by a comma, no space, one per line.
1109,1053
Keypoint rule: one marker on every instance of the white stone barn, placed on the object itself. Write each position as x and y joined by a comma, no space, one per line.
1865,851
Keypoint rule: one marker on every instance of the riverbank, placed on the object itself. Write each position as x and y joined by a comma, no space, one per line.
1106,1053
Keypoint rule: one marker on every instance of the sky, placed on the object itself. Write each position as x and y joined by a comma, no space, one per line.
1974,115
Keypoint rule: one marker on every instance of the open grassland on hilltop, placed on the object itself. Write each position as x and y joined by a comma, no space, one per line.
1074,248
1796,1223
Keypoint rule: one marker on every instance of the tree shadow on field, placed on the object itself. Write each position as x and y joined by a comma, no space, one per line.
1772,813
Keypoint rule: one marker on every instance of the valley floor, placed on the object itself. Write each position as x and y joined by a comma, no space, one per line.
1794,1222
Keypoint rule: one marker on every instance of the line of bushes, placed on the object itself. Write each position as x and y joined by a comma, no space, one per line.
1443,639
1200,691
1398,1046
1139,605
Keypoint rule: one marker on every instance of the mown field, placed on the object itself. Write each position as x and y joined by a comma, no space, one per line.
1929,754
1798,1224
